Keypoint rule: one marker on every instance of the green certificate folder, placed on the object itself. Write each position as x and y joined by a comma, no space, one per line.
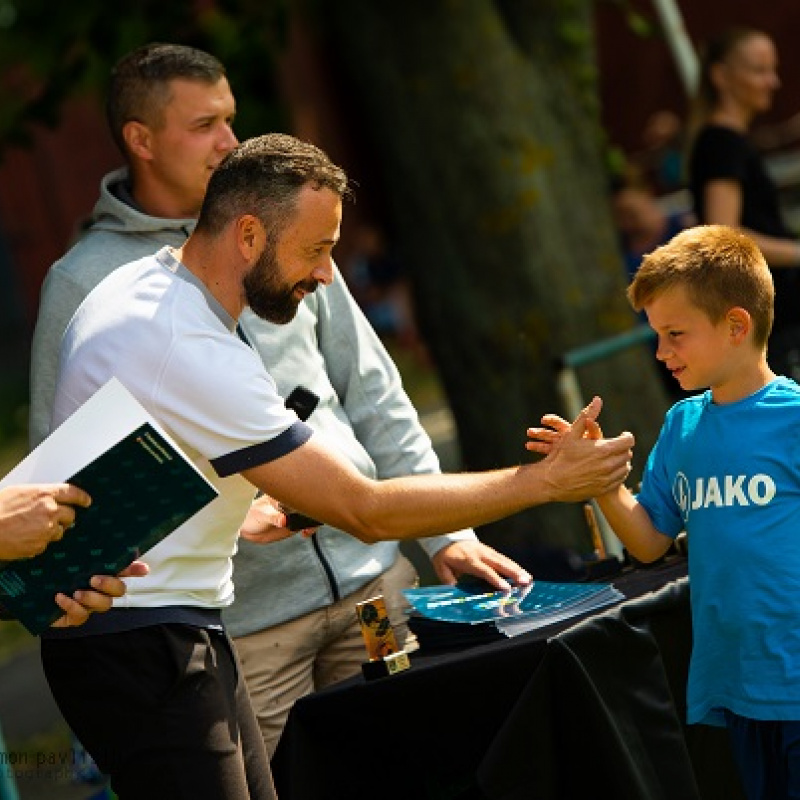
142,488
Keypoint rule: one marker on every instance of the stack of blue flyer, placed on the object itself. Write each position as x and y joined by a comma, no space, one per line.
522,609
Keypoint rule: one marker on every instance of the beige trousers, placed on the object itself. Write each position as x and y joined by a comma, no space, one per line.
288,661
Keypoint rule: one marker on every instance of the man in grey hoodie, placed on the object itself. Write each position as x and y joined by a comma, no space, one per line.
171,112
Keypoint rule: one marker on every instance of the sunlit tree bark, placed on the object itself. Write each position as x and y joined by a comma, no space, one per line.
484,118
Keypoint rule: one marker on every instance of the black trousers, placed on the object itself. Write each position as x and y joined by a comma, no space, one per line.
163,711
767,753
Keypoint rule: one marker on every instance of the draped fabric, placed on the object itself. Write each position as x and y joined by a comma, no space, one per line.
606,709
591,710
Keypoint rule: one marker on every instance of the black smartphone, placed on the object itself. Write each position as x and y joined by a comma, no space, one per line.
303,402
295,521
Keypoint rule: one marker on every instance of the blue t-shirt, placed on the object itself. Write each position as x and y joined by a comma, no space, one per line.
730,476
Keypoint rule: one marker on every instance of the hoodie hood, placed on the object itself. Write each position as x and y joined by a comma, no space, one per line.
116,211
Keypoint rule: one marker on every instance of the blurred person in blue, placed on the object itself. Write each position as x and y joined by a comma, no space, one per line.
641,220
643,224
661,159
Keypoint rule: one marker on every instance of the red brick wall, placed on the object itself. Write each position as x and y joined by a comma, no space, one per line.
46,190
638,74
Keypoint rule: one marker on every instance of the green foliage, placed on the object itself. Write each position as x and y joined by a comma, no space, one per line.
638,23
50,52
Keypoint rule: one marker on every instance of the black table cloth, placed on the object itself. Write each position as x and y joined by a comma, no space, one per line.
561,712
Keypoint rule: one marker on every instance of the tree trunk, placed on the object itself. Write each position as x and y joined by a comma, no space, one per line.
484,119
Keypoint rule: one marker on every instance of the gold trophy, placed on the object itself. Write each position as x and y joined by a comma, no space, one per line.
385,655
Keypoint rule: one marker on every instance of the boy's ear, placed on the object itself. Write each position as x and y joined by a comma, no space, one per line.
740,323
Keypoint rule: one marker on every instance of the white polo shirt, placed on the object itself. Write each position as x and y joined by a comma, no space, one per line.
154,326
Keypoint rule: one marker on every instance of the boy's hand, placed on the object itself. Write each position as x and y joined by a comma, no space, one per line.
543,439
579,463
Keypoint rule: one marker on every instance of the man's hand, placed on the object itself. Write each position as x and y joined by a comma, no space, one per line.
32,516
580,462
471,557
266,522
97,599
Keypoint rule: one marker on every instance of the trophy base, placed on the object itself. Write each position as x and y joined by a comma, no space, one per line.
388,665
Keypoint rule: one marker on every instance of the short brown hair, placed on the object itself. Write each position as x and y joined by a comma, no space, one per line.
140,83
263,176
720,268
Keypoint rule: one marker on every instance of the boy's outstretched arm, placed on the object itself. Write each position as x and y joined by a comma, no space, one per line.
632,526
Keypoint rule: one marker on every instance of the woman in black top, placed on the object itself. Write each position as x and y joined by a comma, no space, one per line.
727,177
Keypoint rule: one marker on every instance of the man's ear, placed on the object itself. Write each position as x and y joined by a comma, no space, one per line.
250,237
138,140
740,323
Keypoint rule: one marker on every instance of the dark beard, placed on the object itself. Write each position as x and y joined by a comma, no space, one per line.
266,296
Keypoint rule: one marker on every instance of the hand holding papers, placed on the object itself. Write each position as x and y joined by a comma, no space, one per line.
142,488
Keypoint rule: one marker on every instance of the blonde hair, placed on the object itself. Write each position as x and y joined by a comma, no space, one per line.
720,268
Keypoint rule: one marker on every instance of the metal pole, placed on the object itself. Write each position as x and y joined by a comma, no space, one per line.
569,390
679,43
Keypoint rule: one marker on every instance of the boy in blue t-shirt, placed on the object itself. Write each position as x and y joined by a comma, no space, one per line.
726,468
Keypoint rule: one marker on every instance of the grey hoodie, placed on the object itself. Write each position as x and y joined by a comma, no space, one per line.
329,348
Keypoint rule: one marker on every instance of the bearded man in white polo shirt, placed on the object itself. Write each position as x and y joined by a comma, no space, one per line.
166,327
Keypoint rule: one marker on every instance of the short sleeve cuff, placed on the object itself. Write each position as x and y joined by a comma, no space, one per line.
255,455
